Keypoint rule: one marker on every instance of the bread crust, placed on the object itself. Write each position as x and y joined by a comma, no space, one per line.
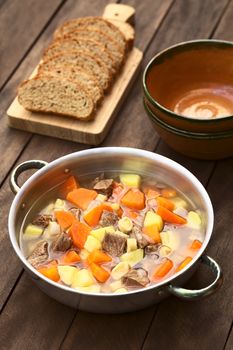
81,88
77,23
85,59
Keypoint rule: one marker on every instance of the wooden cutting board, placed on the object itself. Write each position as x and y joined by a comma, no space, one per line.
92,132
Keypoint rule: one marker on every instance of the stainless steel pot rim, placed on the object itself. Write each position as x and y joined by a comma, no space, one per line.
112,150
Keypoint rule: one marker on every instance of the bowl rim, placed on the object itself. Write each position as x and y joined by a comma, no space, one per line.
211,42
113,151
184,133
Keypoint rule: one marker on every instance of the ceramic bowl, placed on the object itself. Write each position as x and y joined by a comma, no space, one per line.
194,77
197,145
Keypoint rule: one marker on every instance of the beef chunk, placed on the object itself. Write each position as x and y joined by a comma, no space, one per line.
136,278
62,243
76,212
39,254
141,240
42,220
114,244
152,249
104,187
108,218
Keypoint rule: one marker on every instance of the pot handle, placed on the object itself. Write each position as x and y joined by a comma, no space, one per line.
29,164
200,293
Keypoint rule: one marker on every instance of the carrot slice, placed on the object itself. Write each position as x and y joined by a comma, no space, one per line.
71,257
153,232
168,192
171,217
99,273
163,269
64,218
164,202
92,218
196,245
50,272
185,262
81,197
79,233
98,257
69,185
134,199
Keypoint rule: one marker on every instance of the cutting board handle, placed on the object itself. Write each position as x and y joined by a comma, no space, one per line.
120,12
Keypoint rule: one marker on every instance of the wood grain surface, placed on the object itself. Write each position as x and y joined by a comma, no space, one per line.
30,319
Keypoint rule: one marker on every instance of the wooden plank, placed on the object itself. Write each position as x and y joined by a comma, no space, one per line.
131,130
189,323
229,343
20,328
120,332
92,132
42,147
20,30
46,148
15,140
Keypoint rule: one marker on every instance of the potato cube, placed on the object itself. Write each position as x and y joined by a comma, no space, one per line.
94,288
152,218
194,220
92,243
59,204
120,290
83,254
169,239
164,251
179,202
114,206
82,278
115,285
32,231
66,274
130,180
120,270
99,233
101,197
132,258
131,244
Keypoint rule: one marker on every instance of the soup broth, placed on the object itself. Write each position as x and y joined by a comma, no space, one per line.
111,234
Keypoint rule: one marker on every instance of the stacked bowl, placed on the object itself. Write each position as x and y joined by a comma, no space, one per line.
188,96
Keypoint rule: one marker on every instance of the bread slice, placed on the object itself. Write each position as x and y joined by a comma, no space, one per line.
82,77
55,95
81,60
93,23
102,38
88,46
126,29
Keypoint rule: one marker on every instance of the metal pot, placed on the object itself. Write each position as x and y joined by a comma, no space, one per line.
117,159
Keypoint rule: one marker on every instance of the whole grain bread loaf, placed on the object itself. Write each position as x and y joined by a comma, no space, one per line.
81,60
110,44
81,76
93,23
88,46
54,95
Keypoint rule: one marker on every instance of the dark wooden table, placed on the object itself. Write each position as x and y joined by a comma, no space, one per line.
30,319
